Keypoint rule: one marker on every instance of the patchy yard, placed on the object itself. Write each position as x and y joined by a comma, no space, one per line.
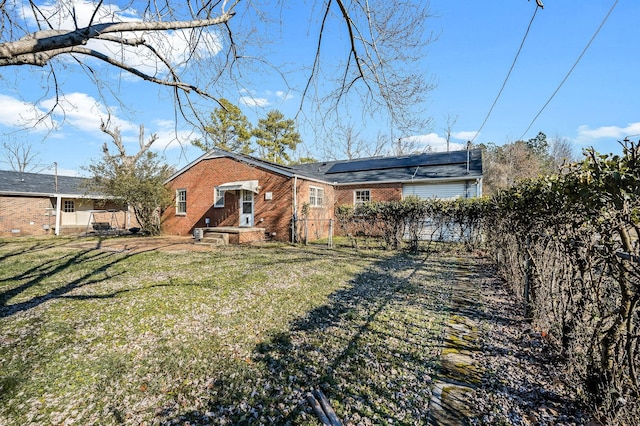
158,331
97,332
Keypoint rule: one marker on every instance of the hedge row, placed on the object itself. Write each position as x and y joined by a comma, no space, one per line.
568,244
412,220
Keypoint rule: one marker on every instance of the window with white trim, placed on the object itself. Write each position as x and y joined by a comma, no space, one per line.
361,196
181,201
218,197
316,196
69,206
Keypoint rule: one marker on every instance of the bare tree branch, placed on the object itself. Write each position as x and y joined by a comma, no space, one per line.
94,53
19,155
55,40
219,40
127,160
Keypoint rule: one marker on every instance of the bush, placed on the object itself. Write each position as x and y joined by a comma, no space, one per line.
413,220
568,245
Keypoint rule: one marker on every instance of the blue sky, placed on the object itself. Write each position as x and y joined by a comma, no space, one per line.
468,62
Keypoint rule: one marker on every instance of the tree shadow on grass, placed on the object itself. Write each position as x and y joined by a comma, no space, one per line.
372,349
33,288
31,248
37,276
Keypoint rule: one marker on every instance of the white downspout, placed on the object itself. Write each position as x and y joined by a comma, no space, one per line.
295,209
468,155
58,218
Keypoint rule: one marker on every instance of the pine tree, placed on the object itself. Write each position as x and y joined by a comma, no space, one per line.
276,135
229,129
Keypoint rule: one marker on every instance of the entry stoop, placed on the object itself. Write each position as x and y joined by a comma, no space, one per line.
222,236
214,239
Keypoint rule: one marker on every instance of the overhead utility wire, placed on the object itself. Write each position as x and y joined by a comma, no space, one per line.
538,6
571,70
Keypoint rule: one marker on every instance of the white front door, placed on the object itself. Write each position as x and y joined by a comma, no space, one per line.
246,208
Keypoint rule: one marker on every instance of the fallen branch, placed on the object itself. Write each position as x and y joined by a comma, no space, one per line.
326,408
318,409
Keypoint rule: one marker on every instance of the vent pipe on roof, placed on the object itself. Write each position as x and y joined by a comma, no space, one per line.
415,173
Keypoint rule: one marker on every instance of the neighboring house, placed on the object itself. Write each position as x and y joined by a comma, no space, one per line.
41,204
251,198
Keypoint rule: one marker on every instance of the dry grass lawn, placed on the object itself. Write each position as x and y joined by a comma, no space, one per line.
131,331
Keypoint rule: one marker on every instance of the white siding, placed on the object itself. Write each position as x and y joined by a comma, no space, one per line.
448,190
440,190
80,217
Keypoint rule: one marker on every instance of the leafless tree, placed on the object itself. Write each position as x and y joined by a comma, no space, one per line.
380,147
504,165
204,47
451,121
127,161
346,144
562,152
19,155
405,146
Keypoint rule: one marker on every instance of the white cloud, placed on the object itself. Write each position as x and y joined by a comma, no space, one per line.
61,171
587,135
252,101
85,113
16,113
168,137
172,45
264,98
464,135
284,96
435,142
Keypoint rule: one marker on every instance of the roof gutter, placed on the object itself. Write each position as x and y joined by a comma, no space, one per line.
53,195
425,180
294,217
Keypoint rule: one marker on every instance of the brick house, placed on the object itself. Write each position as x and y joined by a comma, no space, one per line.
41,204
250,199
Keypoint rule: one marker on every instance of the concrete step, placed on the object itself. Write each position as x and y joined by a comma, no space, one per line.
210,243
208,235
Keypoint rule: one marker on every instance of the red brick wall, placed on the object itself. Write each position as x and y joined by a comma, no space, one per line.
379,192
317,225
200,180
28,215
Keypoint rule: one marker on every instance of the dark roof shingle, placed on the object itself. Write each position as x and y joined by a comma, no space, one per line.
433,165
41,184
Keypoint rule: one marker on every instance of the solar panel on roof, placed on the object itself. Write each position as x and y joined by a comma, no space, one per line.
431,159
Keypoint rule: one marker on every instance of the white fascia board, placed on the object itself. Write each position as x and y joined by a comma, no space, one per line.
427,180
53,195
216,153
310,179
442,180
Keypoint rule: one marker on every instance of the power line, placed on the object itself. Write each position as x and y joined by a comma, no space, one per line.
513,64
571,70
